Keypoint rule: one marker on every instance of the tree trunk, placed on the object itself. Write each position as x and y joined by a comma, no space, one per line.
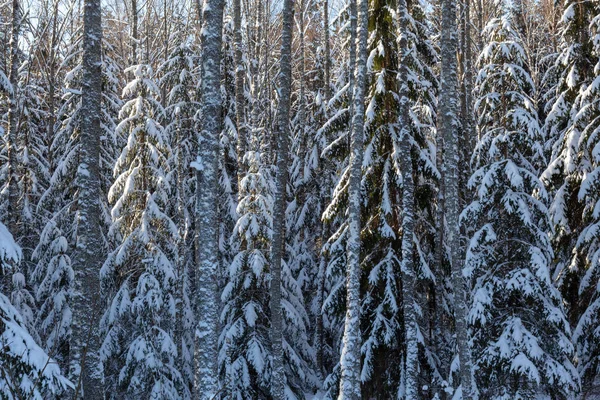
134,32
240,73
319,331
89,250
11,144
448,126
327,50
207,294
468,78
350,385
282,134
408,203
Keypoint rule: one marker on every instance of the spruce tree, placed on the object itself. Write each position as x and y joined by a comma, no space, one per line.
245,357
521,336
139,354
26,370
585,301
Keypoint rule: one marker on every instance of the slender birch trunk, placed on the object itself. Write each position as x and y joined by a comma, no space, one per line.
408,205
449,130
282,134
207,293
89,249
350,384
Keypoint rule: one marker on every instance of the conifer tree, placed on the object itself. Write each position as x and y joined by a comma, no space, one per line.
245,357
521,336
26,370
178,79
571,74
138,353
585,307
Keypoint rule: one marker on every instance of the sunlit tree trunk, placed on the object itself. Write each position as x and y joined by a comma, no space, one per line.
449,130
351,355
282,134
89,248
207,291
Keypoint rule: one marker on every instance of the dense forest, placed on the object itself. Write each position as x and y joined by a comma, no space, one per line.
300,199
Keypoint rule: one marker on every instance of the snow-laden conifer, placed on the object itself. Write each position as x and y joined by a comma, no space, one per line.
138,353
26,370
519,329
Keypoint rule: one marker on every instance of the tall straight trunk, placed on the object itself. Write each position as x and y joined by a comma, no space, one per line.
240,111
327,50
89,249
302,62
134,32
408,206
463,138
440,250
11,144
351,356
468,125
448,125
207,192
479,26
320,296
282,133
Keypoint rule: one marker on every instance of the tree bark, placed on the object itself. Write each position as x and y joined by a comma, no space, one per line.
11,145
408,205
89,248
327,50
134,32
449,129
240,111
207,292
350,384
282,134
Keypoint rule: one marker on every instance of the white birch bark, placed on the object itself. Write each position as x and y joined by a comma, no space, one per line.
89,247
282,134
350,384
207,293
449,130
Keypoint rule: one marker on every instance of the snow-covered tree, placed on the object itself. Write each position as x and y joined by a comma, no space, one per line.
32,154
244,356
26,370
520,333
53,275
567,79
583,266
139,354
178,75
